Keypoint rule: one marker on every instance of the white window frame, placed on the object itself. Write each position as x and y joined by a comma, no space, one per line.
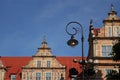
117,32
39,63
105,51
107,70
48,77
48,64
12,77
109,32
38,77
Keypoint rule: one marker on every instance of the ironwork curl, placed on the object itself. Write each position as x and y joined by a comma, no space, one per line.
76,30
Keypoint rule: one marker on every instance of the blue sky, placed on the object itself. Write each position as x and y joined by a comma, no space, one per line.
23,23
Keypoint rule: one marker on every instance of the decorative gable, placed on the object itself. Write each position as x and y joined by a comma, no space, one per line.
44,63
44,50
110,28
44,57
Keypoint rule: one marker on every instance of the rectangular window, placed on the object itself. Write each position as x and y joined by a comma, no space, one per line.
117,32
28,78
106,51
109,32
107,71
48,63
38,63
48,76
58,77
73,79
38,76
13,77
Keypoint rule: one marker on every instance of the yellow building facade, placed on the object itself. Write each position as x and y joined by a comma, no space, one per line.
43,66
101,41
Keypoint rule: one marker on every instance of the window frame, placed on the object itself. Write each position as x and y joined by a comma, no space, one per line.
107,71
106,50
109,32
117,32
12,77
39,64
48,76
48,64
38,76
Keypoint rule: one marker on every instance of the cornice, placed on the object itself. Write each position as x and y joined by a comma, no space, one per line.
107,38
102,58
106,64
107,20
42,48
44,67
44,56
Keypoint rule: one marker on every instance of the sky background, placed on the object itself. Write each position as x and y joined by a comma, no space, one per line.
23,23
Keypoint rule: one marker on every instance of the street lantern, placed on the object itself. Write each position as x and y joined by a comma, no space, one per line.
73,42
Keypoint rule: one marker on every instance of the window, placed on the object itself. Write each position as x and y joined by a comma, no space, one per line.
48,63
38,76
38,63
109,32
106,51
117,31
58,77
13,77
48,76
73,78
28,78
107,71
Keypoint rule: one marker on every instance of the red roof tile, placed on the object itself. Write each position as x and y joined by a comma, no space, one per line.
14,65
68,62
96,31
